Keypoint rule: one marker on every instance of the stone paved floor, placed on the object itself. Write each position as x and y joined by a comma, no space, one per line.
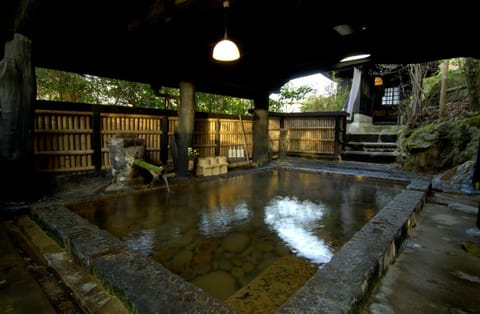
19,291
432,274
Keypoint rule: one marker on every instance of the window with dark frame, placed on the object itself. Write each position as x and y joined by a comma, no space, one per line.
391,96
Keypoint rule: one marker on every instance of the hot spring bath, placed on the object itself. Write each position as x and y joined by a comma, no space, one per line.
228,230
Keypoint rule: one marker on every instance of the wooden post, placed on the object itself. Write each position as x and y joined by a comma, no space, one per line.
164,140
217,138
337,137
97,138
478,217
282,144
183,133
476,170
260,131
245,146
17,98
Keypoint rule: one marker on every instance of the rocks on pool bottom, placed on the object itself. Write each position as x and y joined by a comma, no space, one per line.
272,287
220,284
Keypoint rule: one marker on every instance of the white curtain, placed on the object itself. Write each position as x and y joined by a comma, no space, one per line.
354,96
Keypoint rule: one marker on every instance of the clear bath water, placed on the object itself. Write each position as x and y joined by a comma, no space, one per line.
233,228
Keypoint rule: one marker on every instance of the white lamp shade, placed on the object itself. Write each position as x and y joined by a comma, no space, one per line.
226,50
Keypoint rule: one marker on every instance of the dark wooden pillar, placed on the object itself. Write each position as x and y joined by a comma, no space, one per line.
260,131
17,98
184,130
476,171
164,139
97,138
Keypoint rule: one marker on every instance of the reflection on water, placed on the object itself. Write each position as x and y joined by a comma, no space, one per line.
234,228
295,223
222,220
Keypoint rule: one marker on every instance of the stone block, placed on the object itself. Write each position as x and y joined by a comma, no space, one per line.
207,171
223,169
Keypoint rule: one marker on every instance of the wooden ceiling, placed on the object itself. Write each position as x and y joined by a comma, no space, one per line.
165,41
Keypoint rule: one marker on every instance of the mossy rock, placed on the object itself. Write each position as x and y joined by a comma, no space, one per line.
421,138
435,148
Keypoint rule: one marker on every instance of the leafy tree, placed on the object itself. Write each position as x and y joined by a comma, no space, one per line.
61,86
418,73
72,87
333,101
456,82
222,104
289,95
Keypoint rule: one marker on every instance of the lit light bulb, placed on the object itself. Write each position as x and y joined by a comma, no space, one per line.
226,50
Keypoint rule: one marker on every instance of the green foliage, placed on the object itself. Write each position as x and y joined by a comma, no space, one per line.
61,86
222,104
334,101
455,83
72,87
289,95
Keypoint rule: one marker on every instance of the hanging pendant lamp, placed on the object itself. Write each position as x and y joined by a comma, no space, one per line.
226,50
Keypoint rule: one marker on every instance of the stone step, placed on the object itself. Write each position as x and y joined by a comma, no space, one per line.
371,137
364,153
377,157
370,146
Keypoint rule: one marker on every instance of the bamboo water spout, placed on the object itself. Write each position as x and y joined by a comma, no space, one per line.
155,171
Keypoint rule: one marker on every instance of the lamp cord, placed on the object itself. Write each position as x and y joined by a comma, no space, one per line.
226,5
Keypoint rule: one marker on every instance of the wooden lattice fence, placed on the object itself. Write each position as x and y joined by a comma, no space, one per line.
76,138
311,134
63,141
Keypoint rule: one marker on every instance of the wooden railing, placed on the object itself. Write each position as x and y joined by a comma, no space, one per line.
75,137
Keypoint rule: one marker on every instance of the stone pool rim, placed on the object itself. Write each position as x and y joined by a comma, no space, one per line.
340,286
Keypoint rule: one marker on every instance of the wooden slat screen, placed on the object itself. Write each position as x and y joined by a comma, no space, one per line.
274,133
204,134
231,134
63,141
311,135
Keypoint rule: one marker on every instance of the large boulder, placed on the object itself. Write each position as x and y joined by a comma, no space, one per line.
459,179
435,148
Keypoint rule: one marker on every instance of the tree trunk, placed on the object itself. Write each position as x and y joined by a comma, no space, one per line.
443,89
472,77
184,130
416,78
17,97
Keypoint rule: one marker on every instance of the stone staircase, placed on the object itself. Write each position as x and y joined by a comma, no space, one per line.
371,147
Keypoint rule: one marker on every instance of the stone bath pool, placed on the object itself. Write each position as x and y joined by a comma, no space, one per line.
221,234
293,281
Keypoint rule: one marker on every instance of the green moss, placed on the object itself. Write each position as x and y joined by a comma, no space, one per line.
409,163
420,138
473,121
457,142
